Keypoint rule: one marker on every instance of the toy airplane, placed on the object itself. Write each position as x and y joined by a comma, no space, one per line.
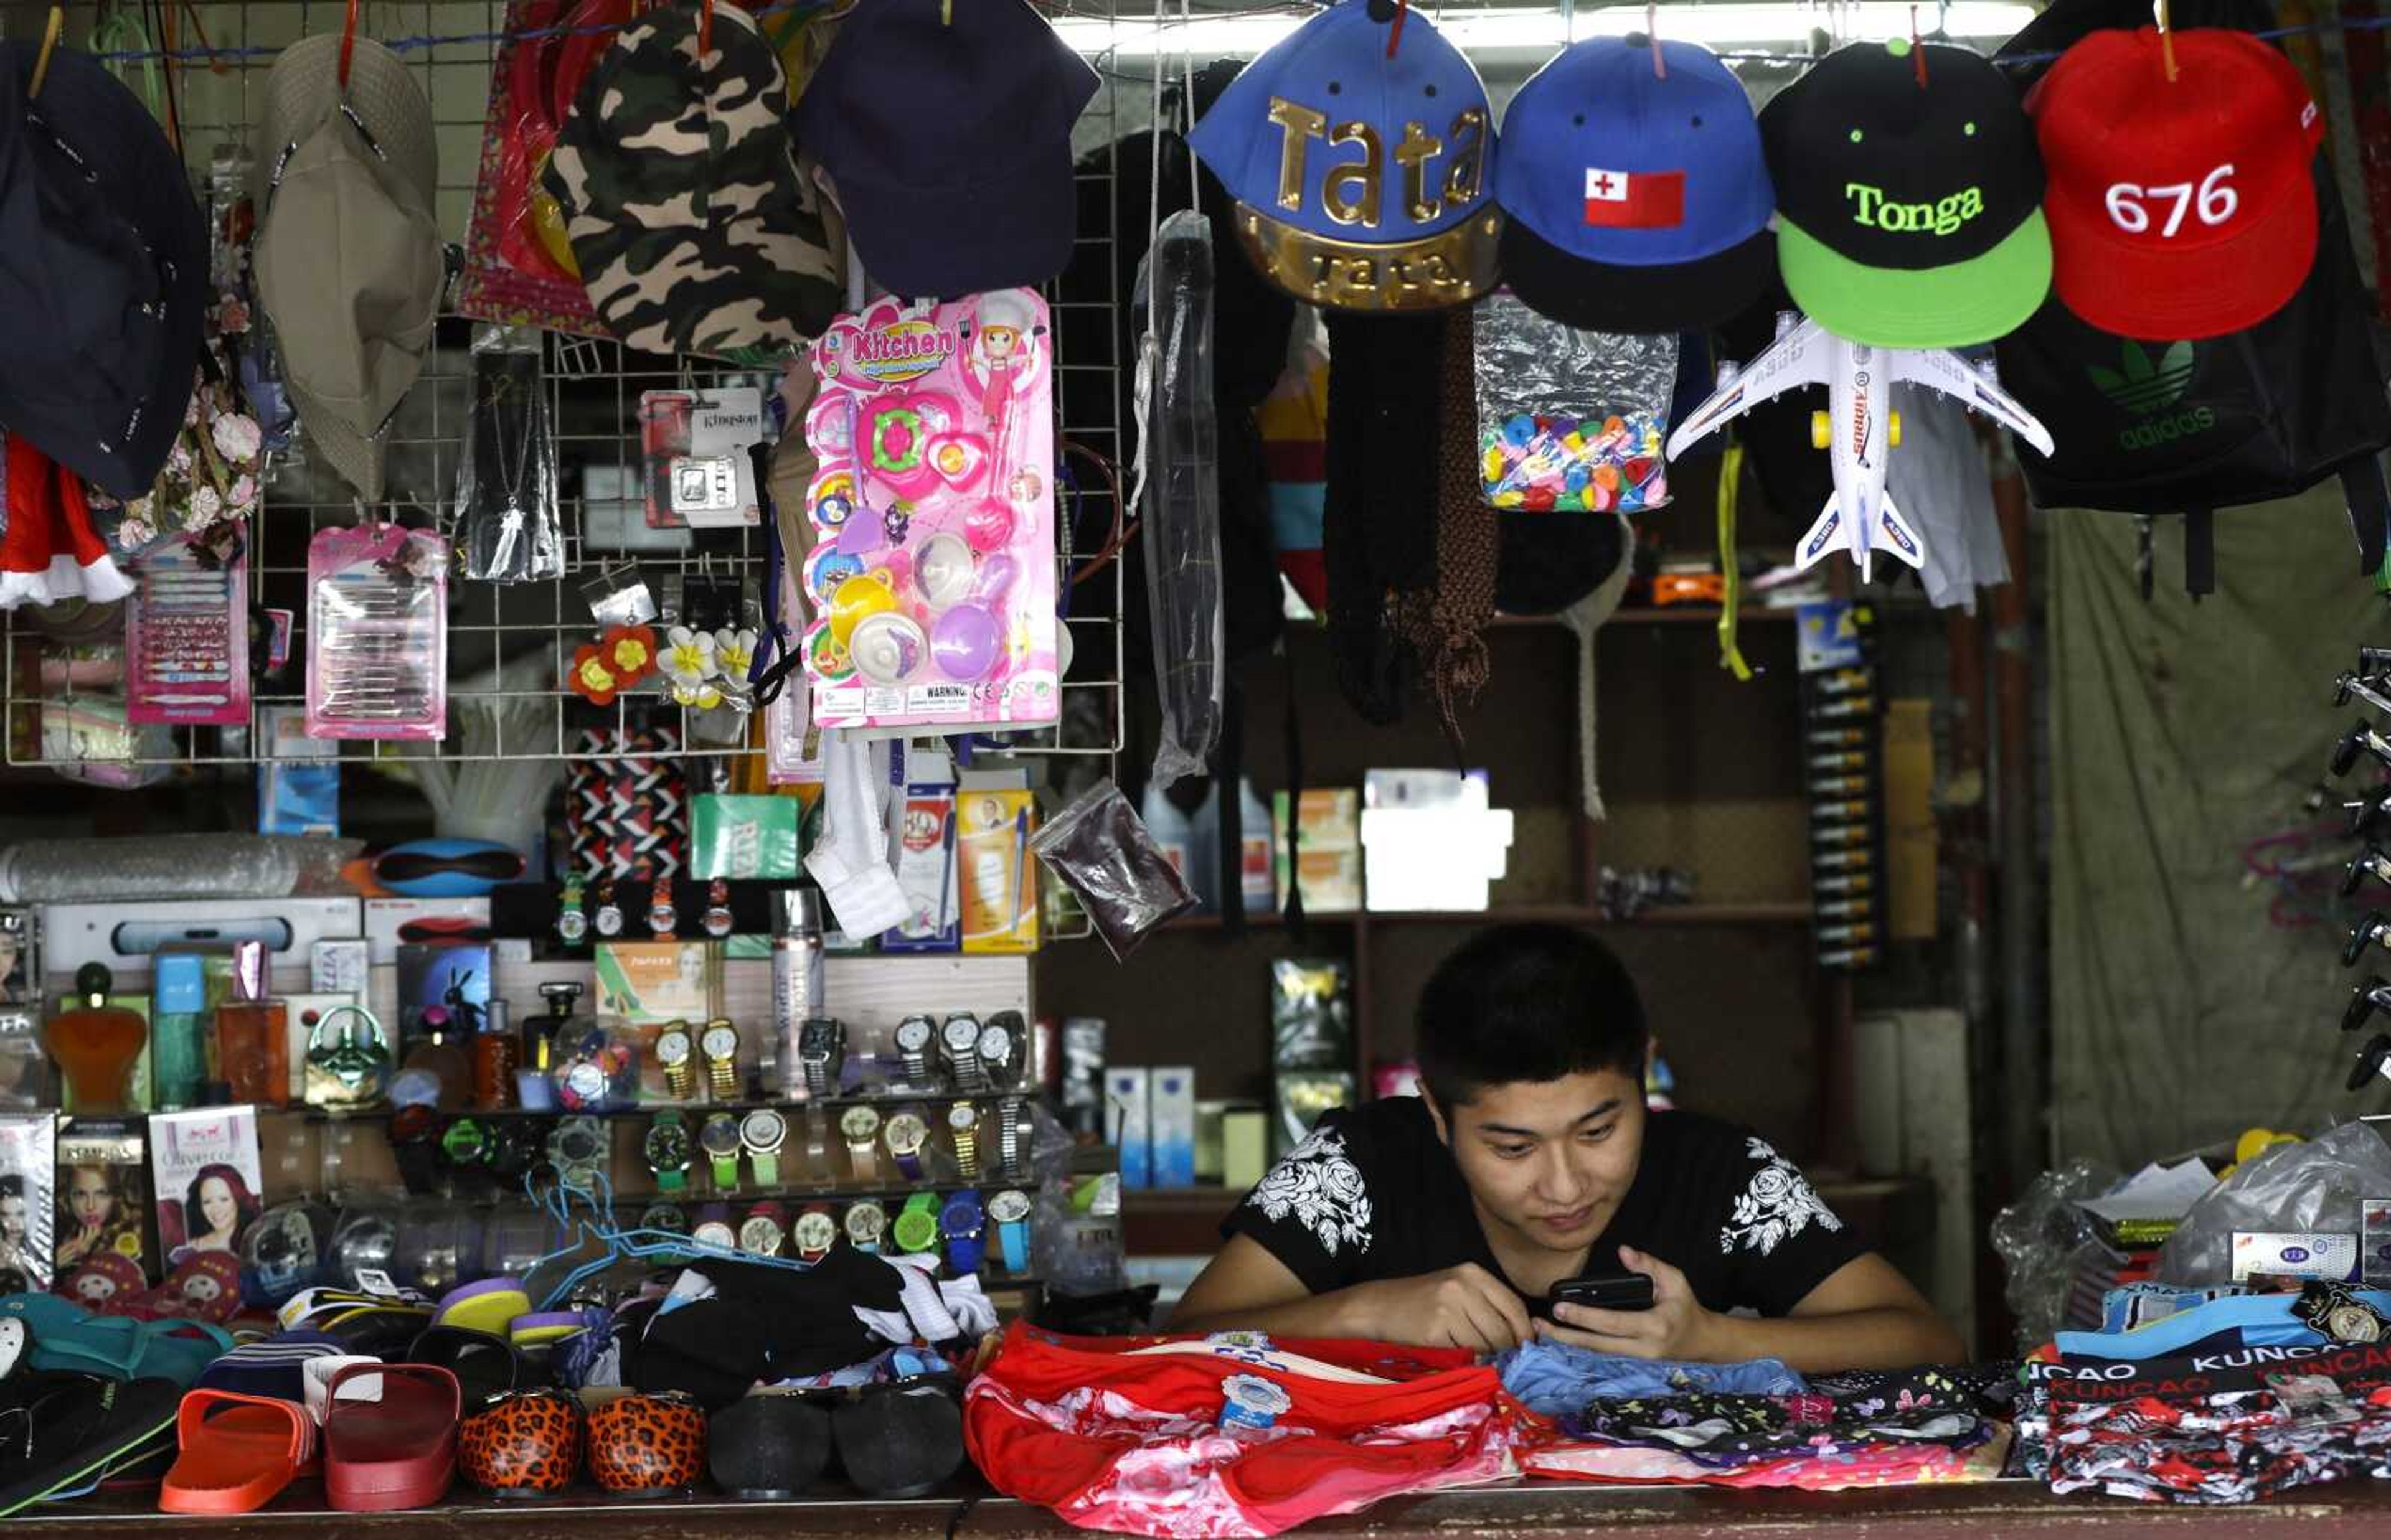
1858,428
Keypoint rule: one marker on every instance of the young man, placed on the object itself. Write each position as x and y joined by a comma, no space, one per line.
1528,1158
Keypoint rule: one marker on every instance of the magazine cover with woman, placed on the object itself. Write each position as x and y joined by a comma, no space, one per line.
27,1148
205,1169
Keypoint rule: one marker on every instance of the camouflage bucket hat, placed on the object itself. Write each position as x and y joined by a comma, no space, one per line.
695,230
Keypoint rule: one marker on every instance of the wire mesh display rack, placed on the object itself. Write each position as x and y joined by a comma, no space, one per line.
511,644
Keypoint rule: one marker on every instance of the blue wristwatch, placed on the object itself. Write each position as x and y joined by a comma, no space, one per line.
963,1226
1010,1210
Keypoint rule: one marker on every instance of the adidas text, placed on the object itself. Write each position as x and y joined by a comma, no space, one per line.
2183,425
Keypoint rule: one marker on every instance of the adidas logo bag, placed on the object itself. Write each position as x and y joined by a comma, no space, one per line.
2190,427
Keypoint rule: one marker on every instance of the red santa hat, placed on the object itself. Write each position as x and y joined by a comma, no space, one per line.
49,550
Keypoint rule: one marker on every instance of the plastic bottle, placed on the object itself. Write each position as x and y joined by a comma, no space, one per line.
1257,874
179,1030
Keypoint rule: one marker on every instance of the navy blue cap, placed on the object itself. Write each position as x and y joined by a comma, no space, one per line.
1634,200
106,283
1363,162
946,128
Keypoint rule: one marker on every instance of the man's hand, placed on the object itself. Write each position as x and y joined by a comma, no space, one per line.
1465,1306
1676,1327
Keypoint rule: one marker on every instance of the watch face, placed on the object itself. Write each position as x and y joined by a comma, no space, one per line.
572,925
1009,1206
996,1045
859,1123
714,1232
720,1136
409,1124
961,1036
907,1133
960,1216
865,1223
962,1117
761,1235
763,1130
665,1216
465,1141
667,1146
586,1082
914,1034
816,1233
672,1049
721,1043
577,1142
917,1230
816,1037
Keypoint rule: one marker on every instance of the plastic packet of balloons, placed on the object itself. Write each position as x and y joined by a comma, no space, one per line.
932,578
1569,421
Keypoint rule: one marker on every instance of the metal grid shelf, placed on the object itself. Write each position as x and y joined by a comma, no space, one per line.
511,644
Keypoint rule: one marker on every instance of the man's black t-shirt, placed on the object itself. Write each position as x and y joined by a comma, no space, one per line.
1373,1193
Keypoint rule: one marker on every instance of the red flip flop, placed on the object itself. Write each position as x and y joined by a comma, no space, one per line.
393,1444
238,1451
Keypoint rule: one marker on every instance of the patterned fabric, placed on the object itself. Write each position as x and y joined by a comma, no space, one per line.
1133,1441
694,228
1321,1190
1553,1378
626,807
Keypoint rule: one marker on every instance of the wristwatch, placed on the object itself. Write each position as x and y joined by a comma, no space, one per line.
906,1133
1016,1135
722,1046
761,1232
1010,1210
865,1223
816,1233
719,1139
913,1037
572,925
821,1050
861,1127
511,1150
608,919
917,1226
668,1217
663,919
577,1149
959,1040
965,1230
763,1132
674,1051
464,1144
666,1149
714,1229
414,1141
1000,1050
719,919
963,1126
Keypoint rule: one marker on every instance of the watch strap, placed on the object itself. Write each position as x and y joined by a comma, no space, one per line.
967,1150
1012,1235
418,1166
671,1181
726,1169
768,1167
864,1159
964,1250
910,1163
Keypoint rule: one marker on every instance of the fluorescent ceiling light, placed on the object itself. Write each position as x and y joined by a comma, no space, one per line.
1718,26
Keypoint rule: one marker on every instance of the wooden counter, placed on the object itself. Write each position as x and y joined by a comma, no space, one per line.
1992,1511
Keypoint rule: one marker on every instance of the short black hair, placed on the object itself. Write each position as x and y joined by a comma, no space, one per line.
1527,1003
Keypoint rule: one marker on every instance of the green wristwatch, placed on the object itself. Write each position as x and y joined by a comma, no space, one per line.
465,1143
763,1132
666,1149
917,1227
719,1139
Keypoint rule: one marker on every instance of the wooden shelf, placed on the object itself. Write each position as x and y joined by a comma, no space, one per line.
1790,912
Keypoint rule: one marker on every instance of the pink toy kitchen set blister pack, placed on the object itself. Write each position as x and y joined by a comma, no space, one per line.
932,580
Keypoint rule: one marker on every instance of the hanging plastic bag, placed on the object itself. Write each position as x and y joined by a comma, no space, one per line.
2297,1188
507,481
1569,420
1101,849
1181,505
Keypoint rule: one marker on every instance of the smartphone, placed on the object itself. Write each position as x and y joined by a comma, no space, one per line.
1606,1292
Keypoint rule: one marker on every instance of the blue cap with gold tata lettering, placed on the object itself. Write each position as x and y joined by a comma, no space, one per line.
1361,153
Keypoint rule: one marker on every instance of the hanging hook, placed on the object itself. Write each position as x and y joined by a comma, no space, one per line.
1917,48
1395,32
57,24
2167,42
348,43
1652,35
705,29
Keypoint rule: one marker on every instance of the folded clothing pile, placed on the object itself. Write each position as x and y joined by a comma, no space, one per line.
1233,1434
1759,1424
2229,1399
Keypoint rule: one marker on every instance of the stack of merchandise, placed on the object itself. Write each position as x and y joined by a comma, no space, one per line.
1759,1424
2215,1395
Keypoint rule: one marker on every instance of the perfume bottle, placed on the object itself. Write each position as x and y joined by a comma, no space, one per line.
96,1043
253,1031
179,1030
496,1056
436,1070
